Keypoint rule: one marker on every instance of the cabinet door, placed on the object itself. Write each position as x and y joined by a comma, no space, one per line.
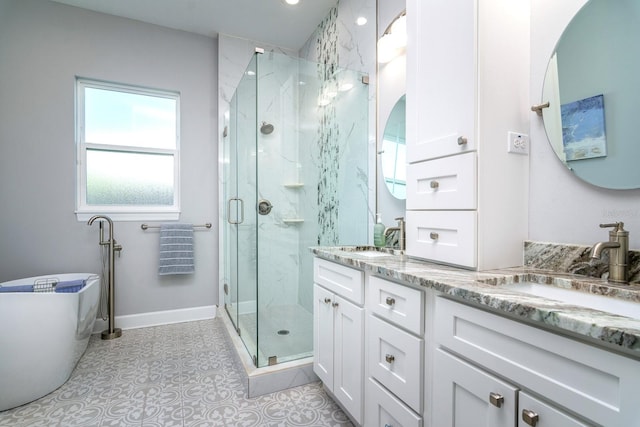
383,409
465,396
534,412
441,82
348,359
323,315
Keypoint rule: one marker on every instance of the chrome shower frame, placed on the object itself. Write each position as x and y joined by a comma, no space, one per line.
112,332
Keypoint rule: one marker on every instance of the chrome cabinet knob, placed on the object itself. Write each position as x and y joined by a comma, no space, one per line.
433,235
390,358
434,184
496,399
529,417
390,301
327,300
462,140
335,304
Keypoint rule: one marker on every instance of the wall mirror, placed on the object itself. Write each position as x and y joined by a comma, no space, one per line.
593,92
393,153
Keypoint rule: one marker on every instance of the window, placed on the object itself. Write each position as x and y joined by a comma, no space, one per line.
128,151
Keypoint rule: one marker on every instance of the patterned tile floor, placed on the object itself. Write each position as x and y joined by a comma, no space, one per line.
174,375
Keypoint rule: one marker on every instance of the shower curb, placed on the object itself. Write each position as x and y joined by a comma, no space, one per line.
260,381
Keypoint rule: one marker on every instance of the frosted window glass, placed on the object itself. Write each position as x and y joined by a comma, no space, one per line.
122,178
129,119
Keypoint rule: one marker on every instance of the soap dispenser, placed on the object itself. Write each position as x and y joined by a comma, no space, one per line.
378,232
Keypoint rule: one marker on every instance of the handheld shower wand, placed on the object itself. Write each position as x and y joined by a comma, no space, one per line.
112,332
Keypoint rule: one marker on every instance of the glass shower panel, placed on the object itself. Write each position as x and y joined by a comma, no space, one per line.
285,327
311,131
241,224
296,177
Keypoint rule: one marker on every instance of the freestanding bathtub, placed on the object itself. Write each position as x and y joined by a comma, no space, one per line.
43,333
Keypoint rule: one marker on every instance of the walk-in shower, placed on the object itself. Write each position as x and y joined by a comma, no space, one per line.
300,182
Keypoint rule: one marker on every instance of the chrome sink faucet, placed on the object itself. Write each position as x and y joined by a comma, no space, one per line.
401,233
618,246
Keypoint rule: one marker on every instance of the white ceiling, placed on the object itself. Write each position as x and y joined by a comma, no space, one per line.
268,21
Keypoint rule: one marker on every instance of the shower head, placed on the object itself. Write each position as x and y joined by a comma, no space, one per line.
266,128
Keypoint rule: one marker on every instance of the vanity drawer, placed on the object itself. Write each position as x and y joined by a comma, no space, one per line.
344,281
396,303
384,409
447,183
597,384
444,236
395,360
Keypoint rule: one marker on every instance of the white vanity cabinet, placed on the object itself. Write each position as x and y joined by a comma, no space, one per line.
338,333
490,370
395,362
466,89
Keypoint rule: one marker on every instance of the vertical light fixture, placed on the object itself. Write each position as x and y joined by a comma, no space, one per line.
394,40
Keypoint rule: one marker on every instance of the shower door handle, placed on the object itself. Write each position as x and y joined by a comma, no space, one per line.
229,220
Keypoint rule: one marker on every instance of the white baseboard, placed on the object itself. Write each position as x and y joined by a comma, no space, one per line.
155,318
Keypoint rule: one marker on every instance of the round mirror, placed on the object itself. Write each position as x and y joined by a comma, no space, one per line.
592,89
394,154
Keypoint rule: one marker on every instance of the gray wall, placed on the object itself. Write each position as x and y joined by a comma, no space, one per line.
43,46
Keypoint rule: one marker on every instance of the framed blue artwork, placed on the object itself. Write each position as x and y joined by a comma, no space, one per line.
583,130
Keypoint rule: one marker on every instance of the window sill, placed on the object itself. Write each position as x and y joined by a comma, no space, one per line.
130,216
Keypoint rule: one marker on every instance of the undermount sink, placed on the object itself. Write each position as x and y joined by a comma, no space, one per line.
372,254
583,299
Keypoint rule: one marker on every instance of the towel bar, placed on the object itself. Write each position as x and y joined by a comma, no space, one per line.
145,226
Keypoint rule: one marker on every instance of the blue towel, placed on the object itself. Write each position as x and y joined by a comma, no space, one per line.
17,288
176,249
70,286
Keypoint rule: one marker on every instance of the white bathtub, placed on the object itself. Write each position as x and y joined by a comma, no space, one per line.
42,336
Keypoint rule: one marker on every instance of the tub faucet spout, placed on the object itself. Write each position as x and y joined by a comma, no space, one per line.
112,332
618,247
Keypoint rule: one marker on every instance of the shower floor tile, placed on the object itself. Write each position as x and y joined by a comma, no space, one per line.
173,375
296,343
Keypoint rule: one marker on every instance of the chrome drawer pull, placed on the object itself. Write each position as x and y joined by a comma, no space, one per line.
390,301
462,140
496,399
389,358
433,235
529,417
434,184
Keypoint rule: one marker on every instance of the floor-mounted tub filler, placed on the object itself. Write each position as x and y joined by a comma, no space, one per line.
46,324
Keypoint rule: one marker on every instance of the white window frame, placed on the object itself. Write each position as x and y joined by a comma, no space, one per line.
122,212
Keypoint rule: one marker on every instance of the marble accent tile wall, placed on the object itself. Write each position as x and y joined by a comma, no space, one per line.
574,259
328,133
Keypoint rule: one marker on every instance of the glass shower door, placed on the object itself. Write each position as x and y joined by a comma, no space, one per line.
285,327
241,299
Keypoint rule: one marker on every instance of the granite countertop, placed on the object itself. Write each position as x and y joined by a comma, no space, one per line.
484,288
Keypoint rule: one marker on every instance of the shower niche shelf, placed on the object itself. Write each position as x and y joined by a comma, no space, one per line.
293,220
294,185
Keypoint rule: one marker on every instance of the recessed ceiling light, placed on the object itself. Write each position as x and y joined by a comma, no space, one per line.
361,21
292,2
